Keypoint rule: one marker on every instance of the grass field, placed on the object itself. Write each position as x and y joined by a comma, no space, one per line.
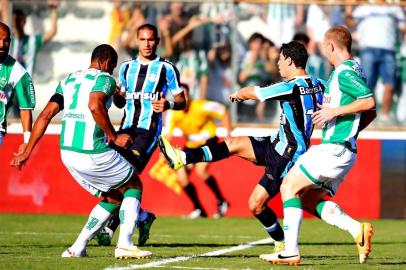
37,241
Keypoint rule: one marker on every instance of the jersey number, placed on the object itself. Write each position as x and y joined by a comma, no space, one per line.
74,103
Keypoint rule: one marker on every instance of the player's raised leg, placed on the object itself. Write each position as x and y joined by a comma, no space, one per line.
235,146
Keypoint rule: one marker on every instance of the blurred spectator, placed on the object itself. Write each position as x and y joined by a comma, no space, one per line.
401,108
270,54
219,15
220,73
377,28
282,20
252,72
192,62
177,19
315,63
136,20
4,11
119,18
25,47
317,23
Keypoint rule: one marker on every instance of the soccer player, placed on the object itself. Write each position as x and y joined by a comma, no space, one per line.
326,165
144,82
14,82
25,47
298,96
198,127
85,97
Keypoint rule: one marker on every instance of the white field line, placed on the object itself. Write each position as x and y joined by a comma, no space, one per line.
185,258
155,235
193,268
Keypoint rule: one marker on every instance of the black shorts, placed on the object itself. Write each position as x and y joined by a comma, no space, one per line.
140,152
275,164
271,185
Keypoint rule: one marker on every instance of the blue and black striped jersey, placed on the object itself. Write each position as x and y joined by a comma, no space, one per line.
143,83
298,100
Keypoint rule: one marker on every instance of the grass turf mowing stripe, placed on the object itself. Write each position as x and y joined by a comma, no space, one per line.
185,258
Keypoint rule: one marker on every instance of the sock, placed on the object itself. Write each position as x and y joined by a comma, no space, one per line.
293,214
268,218
207,153
97,217
190,191
332,214
113,222
142,215
128,217
212,183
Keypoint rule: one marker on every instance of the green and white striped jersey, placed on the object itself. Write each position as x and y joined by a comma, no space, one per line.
14,81
80,133
346,84
25,50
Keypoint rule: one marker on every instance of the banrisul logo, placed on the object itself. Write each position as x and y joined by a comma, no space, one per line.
141,95
3,82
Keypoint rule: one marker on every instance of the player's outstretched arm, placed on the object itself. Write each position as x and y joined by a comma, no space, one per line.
244,93
40,126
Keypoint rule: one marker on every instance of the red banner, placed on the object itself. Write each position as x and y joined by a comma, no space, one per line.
45,186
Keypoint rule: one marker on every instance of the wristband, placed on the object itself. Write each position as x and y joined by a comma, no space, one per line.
26,135
171,105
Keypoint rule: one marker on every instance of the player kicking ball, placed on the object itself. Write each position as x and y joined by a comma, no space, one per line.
347,108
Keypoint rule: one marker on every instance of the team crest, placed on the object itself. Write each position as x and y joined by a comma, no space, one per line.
152,77
3,82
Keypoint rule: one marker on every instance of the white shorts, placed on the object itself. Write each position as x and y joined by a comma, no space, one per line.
326,165
97,173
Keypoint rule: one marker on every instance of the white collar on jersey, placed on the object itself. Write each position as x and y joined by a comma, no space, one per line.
147,62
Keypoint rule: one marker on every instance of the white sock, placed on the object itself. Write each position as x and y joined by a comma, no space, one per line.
292,220
98,216
332,214
128,219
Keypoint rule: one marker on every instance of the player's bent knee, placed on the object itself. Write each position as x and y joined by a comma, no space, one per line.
255,206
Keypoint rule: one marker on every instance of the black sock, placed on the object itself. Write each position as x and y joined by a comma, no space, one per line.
113,222
207,153
192,194
212,183
268,218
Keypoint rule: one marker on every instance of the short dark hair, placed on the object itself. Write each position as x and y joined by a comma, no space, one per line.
19,13
149,27
255,36
5,27
301,37
104,52
295,51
